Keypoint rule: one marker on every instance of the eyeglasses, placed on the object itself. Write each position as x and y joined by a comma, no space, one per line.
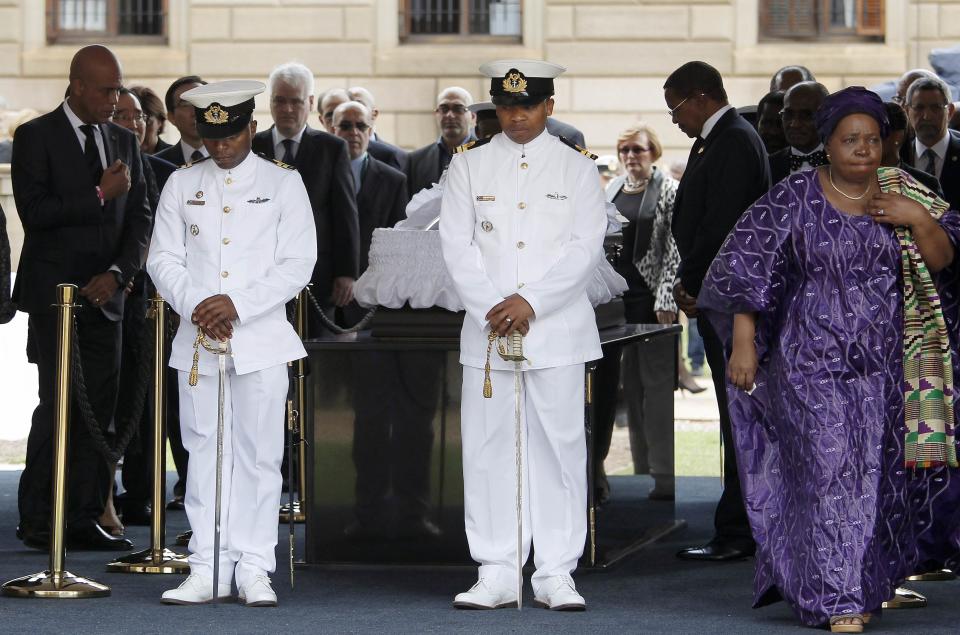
456,109
348,126
292,102
633,149
141,118
930,109
673,111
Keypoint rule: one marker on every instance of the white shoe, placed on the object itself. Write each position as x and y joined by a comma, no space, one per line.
485,594
258,592
558,593
196,589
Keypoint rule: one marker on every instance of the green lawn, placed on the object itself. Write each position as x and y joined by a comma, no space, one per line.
697,453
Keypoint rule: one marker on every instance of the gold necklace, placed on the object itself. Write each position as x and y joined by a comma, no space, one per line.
852,198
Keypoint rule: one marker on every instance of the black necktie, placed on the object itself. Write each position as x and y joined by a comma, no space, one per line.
287,151
91,154
815,159
931,166
195,156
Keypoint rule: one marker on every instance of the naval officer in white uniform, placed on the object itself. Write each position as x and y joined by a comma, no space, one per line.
234,240
521,225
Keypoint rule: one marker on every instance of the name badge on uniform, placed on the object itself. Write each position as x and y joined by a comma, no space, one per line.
194,230
193,202
486,226
486,198
557,197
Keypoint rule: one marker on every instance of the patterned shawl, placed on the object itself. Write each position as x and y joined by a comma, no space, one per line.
927,363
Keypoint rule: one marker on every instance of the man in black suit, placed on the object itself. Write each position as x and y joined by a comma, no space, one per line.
324,165
936,149
377,148
893,144
134,505
804,149
180,112
455,122
79,188
726,172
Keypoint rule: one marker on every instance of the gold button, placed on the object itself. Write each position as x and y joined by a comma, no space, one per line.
226,241
229,180
522,205
226,209
523,166
521,245
224,274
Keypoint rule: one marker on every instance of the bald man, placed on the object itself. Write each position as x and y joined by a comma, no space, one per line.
455,122
79,188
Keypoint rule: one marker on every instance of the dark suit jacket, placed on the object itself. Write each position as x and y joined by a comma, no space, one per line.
950,176
68,236
725,174
423,168
389,154
161,146
173,154
779,165
7,307
565,130
324,166
381,202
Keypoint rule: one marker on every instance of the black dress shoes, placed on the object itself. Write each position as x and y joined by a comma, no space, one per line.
183,540
34,538
135,513
92,537
718,550
176,504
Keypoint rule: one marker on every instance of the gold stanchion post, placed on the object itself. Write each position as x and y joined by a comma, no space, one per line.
300,368
55,582
156,559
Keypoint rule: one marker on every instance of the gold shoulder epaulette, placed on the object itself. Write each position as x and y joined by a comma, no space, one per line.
192,163
582,151
278,162
476,143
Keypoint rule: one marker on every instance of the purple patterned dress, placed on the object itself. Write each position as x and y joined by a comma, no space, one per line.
838,520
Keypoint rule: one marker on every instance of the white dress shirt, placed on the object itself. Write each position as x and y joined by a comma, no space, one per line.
525,219
188,150
712,121
278,139
76,122
939,149
248,233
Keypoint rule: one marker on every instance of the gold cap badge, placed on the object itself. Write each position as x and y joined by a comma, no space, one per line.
216,115
514,82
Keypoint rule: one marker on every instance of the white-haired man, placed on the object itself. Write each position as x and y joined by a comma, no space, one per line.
455,122
324,165
378,148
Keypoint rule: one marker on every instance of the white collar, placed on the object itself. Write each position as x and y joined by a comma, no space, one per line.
245,168
278,138
712,121
940,147
75,121
535,144
801,153
188,150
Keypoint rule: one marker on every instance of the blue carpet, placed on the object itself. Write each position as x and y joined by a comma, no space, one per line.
651,592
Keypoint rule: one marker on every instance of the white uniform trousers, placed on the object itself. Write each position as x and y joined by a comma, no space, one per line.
554,470
254,428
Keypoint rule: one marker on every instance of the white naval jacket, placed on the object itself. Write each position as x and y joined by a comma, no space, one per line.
529,220
246,232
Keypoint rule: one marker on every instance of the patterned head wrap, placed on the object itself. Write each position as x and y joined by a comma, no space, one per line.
851,101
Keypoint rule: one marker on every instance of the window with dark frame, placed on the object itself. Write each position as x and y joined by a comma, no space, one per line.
454,20
124,21
822,20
